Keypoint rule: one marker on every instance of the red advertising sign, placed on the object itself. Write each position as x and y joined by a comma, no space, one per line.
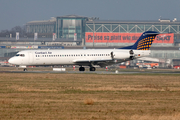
125,37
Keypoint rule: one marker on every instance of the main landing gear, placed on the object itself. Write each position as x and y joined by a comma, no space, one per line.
90,69
81,69
25,69
131,54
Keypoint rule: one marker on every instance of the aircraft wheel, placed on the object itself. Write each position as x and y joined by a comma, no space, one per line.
81,69
131,57
92,68
25,69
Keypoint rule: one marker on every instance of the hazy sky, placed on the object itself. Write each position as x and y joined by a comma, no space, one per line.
19,12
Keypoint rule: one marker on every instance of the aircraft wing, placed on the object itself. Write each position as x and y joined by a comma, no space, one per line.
100,62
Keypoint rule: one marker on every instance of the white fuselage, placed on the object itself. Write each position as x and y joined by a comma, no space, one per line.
74,56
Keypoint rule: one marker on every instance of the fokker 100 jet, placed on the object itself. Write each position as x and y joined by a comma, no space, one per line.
86,57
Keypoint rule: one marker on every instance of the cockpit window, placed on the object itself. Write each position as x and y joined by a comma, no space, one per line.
22,55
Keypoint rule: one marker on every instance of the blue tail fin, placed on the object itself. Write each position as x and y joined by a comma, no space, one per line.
144,42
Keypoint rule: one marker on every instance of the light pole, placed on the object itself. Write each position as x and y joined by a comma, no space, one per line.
93,33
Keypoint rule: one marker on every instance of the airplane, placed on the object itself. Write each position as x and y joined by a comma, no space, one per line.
85,57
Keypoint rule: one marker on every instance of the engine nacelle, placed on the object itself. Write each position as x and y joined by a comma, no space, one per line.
121,55
129,54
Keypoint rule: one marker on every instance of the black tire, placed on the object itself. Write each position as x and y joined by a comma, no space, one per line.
92,69
81,69
131,57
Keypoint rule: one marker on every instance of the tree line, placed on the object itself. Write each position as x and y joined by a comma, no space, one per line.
21,30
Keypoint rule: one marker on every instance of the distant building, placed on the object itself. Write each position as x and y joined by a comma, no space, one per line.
73,31
67,27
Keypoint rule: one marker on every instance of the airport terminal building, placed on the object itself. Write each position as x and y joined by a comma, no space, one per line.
73,31
79,29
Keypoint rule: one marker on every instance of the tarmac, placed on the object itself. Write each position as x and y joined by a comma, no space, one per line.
97,72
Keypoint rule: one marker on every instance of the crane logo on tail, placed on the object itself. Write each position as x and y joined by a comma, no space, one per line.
145,40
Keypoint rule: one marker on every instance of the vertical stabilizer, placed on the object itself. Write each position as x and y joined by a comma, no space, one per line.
145,41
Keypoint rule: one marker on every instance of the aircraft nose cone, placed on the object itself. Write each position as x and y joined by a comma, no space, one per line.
11,60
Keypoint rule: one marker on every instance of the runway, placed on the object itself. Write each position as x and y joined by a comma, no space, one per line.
97,72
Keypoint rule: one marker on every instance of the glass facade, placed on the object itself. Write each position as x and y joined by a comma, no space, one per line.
70,26
65,27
